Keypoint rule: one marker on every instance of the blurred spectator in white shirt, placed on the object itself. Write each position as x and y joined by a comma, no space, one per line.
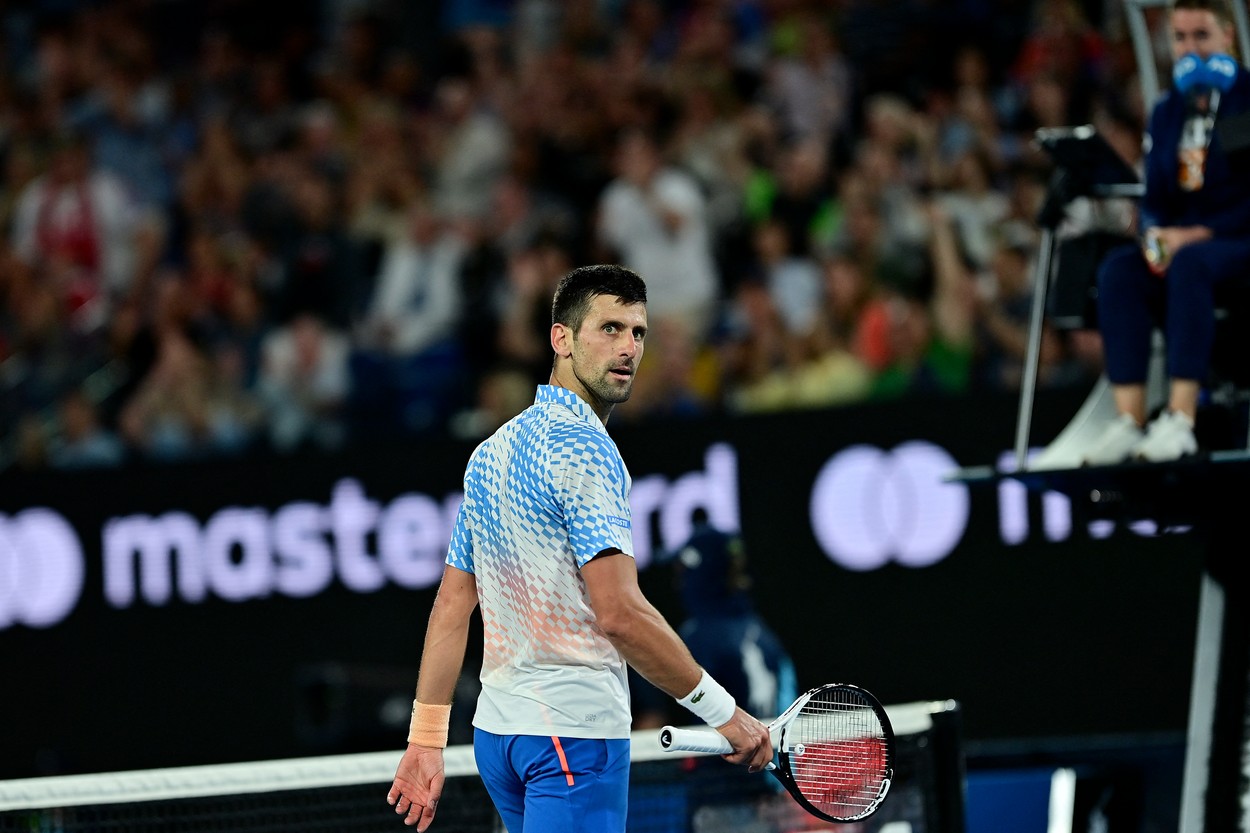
976,207
304,383
416,297
793,280
407,368
654,217
470,150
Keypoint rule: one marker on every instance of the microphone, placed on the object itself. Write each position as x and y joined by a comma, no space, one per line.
1188,72
1221,71
1216,73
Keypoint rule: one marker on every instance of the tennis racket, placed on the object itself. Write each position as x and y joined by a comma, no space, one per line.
835,751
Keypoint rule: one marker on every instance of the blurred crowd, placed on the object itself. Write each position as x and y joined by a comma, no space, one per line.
234,227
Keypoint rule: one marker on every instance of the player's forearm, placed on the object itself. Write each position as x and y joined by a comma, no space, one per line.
441,659
446,636
655,651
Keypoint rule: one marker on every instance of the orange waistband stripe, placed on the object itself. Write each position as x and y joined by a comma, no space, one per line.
564,762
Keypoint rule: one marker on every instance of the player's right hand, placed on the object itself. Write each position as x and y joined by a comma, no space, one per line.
750,739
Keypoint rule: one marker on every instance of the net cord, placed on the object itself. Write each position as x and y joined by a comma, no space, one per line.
310,772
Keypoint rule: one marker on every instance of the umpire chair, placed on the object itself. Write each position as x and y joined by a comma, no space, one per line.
1065,290
1214,793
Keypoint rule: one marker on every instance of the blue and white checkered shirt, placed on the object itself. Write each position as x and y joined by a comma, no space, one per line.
542,496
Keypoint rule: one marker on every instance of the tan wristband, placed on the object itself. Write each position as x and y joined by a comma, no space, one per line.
429,725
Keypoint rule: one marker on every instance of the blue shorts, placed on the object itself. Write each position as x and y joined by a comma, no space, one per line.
541,784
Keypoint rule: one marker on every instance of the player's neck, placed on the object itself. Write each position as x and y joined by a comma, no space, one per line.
562,376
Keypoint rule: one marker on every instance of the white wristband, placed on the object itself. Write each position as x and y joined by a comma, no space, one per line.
710,701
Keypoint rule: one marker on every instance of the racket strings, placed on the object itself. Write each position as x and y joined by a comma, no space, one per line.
838,754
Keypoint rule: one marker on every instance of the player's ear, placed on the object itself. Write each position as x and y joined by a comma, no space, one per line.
561,340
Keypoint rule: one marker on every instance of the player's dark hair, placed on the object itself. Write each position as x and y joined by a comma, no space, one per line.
581,286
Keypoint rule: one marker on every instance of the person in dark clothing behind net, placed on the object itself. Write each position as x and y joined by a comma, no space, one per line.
729,638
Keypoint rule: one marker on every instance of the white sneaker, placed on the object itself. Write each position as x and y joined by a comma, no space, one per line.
1169,437
1114,445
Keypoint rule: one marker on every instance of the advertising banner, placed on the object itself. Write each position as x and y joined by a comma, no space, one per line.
238,610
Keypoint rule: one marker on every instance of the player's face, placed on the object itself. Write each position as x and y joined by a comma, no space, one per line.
608,348
1199,31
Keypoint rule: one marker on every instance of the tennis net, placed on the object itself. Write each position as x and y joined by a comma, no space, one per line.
669,793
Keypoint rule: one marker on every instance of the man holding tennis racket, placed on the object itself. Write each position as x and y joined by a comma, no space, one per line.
542,542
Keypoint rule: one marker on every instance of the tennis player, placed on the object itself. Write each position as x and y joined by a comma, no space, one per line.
543,543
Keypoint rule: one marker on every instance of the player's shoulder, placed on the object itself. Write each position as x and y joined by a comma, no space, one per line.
567,430
504,438
570,442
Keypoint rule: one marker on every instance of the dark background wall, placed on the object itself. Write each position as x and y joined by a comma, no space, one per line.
1055,641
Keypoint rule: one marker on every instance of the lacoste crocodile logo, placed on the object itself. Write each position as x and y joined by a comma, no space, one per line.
696,698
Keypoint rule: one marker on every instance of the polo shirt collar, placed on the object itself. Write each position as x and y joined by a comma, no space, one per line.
564,396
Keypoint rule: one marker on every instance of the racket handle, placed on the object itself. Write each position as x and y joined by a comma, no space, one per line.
673,739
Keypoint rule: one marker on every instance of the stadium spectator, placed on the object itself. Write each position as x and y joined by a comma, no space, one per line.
267,114
502,393
319,265
932,319
859,232
709,141
47,356
80,440
406,361
30,443
523,215
850,313
524,314
126,128
1005,301
304,384
415,302
759,356
214,181
468,149
77,225
283,153
796,194
167,418
975,206
809,87
655,218
793,279
1065,50
235,413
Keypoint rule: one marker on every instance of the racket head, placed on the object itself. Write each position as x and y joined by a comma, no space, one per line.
836,753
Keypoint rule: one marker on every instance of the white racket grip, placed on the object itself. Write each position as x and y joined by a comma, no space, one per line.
673,739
